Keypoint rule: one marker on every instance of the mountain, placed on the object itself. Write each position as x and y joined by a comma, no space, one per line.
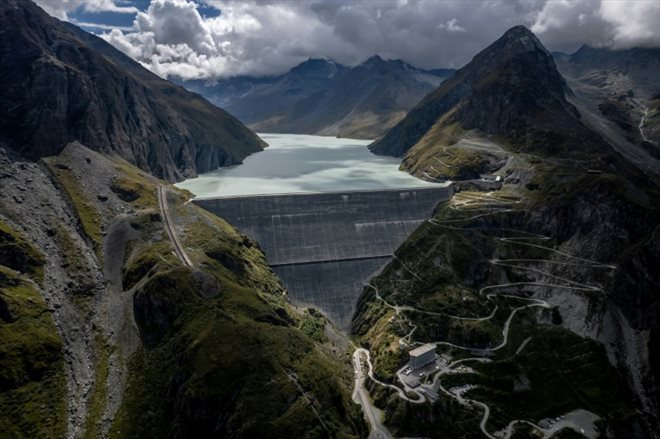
226,91
617,92
541,286
636,65
510,89
106,329
60,84
107,333
127,311
322,97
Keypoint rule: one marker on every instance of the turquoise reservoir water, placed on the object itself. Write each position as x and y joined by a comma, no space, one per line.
295,163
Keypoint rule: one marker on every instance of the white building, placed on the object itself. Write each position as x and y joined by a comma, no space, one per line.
422,356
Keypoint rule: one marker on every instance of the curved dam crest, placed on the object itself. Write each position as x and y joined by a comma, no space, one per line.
325,246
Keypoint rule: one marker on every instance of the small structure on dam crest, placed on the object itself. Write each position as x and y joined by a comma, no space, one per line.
326,246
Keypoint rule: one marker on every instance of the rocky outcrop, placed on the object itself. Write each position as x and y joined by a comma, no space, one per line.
60,84
511,89
17,253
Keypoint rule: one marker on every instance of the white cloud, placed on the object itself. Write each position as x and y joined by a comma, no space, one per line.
611,23
133,47
636,23
268,37
566,24
451,26
262,37
99,26
61,8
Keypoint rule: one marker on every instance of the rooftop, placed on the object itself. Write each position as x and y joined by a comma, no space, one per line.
422,350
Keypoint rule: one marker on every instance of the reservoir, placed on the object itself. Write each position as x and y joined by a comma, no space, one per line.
298,163
327,213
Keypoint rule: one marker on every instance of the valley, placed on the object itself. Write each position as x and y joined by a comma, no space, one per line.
542,291
399,252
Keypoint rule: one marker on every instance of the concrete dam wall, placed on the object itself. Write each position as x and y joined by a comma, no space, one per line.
326,246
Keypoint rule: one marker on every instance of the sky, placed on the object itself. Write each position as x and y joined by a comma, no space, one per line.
202,39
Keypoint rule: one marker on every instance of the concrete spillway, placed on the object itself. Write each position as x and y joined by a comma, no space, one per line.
326,246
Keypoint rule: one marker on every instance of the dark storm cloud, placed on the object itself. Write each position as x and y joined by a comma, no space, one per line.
172,37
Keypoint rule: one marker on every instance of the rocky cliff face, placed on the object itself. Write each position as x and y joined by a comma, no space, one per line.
323,97
511,89
613,218
60,84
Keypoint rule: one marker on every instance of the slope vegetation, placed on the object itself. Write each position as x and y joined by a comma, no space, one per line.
215,349
32,384
535,314
225,352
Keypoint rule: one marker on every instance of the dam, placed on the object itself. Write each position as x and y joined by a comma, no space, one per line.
325,246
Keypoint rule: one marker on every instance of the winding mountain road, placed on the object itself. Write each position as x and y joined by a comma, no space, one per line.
492,205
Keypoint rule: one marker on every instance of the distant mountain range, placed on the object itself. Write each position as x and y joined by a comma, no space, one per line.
61,84
618,94
323,97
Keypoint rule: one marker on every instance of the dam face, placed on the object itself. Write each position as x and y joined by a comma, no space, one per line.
326,246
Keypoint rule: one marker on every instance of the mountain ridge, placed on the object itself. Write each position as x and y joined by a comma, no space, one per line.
511,88
97,95
320,96
105,331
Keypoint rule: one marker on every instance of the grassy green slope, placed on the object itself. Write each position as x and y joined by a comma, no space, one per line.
222,351
32,382
225,354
